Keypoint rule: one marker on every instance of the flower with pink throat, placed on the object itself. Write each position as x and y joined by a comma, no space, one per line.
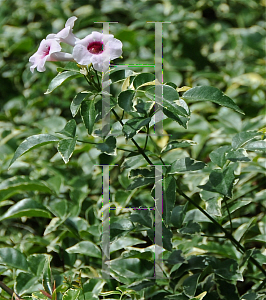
66,35
49,50
98,49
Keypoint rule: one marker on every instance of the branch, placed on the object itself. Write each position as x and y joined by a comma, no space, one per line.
9,291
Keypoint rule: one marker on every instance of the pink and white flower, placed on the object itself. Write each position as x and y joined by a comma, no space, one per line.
98,49
66,35
49,50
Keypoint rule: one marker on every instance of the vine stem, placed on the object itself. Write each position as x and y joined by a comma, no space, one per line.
227,234
9,291
227,208
93,143
141,151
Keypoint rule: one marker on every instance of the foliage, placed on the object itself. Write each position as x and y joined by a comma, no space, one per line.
213,150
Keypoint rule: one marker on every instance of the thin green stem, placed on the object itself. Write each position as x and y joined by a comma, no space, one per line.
227,234
87,79
147,136
93,143
99,85
227,208
87,142
140,150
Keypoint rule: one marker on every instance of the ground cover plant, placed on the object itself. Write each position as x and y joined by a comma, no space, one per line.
59,161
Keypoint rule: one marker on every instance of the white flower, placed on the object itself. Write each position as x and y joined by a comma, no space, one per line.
49,50
66,35
98,49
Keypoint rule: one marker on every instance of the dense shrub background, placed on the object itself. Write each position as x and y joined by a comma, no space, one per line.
217,43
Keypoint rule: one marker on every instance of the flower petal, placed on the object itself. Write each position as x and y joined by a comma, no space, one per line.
70,22
87,51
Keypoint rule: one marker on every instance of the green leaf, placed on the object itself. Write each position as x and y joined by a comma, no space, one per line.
170,108
193,263
37,261
142,79
226,290
143,106
12,258
210,93
26,208
184,165
120,227
221,181
33,142
76,103
70,66
243,137
55,182
87,248
191,228
132,126
142,217
243,228
167,237
88,114
70,129
250,296
177,297
108,106
118,75
175,258
178,215
200,297
140,285
256,146
71,294
47,278
125,100
177,144
53,225
66,148
61,78
76,225
143,172
140,181
178,113
59,207
16,184
123,242
190,284
217,156
131,268
37,296
25,282
237,155
227,269
169,197
212,202
133,161
109,146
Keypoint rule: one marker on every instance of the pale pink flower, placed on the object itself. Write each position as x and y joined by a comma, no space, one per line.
66,35
49,50
98,49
